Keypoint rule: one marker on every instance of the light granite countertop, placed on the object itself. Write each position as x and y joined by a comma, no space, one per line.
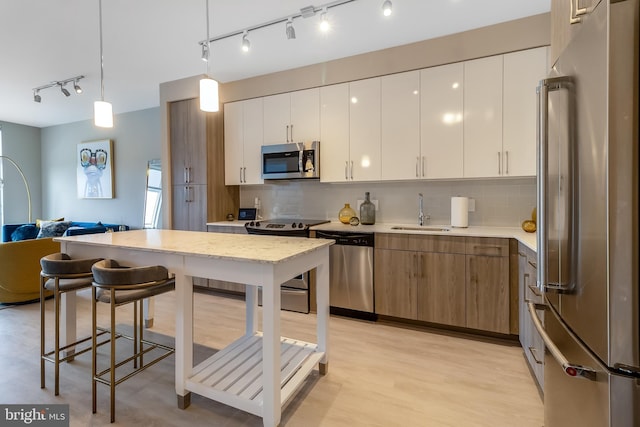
263,249
528,239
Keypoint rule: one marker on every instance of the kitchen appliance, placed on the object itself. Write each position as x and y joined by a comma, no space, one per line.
588,224
350,273
294,295
299,160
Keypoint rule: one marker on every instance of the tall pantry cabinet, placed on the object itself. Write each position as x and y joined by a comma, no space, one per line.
198,193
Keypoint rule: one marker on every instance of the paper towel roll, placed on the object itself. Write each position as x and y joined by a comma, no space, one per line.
459,211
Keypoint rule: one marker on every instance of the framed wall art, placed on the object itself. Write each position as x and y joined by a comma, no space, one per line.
95,169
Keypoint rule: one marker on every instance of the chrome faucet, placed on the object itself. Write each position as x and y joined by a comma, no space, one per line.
420,209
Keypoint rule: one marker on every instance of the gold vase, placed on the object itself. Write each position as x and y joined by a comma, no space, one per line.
346,214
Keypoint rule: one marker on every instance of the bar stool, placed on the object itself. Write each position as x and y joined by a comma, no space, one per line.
117,285
60,274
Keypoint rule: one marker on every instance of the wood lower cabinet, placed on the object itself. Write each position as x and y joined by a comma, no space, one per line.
455,281
487,284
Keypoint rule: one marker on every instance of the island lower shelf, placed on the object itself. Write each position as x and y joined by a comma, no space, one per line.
233,375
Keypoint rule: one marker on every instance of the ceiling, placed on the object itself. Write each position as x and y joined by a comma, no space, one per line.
147,42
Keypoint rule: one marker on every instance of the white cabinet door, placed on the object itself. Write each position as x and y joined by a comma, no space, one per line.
233,142
242,141
483,117
334,133
253,132
277,118
400,126
441,124
522,72
364,129
305,116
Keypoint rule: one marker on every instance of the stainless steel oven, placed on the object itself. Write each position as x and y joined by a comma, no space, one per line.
295,291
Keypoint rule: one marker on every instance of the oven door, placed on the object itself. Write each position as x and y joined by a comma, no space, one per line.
281,164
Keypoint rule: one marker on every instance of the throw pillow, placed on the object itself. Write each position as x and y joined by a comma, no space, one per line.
53,228
40,221
24,232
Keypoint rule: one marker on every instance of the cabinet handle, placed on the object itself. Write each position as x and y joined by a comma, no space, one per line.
576,12
534,290
291,133
240,174
346,169
351,169
534,354
244,175
522,254
499,164
286,133
506,163
423,174
186,177
186,194
417,163
533,264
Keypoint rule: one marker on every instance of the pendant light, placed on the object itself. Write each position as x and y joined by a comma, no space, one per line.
102,111
208,86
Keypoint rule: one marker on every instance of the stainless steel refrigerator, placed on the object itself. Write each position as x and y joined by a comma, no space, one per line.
588,224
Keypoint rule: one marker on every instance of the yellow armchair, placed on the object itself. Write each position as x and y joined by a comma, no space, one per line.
20,268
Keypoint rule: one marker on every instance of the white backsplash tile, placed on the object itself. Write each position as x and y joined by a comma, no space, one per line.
499,202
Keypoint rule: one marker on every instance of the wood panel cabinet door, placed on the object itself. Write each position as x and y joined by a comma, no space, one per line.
487,293
522,72
400,126
233,143
441,124
189,207
364,130
441,289
395,280
483,117
188,143
334,133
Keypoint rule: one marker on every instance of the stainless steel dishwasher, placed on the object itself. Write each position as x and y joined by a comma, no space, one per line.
351,273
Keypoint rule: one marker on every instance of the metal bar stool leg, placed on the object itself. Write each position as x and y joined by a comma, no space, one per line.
42,332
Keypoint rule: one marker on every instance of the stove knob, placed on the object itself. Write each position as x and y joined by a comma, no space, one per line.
301,225
252,223
293,225
257,223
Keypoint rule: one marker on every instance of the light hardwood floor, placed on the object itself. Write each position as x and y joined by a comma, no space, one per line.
379,374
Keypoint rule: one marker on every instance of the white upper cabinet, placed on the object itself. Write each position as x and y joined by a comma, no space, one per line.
242,140
400,125
364,130
522,72
441,122
483,117
334,133
292,117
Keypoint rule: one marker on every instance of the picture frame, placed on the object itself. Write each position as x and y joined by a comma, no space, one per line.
94,172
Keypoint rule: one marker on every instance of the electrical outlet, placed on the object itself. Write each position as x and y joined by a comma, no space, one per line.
472,205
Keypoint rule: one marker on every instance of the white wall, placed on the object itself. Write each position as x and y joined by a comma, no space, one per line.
136,140
22,144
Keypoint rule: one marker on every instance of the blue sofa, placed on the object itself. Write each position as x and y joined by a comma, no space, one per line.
76,228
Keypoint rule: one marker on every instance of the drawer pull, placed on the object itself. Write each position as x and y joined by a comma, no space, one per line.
533,264
534,354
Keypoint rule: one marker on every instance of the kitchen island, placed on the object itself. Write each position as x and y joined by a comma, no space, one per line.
281,364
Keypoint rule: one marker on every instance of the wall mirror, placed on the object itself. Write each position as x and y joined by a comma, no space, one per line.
153,195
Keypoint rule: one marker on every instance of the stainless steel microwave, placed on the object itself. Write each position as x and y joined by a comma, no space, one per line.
298,160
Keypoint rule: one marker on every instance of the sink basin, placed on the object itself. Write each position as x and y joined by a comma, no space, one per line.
423,228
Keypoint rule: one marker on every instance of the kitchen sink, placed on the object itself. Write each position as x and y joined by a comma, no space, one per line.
418,228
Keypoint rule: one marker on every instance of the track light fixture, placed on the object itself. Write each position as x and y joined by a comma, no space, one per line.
246,45
386,7
58,83
205,53
305,12
291,32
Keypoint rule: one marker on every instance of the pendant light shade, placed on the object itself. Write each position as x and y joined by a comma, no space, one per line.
102,111
102,114
209,95
208,87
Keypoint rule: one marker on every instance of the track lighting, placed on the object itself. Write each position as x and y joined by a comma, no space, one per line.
305,12
58,83
205,53
324,23
291,32
246,45
77,87
64,91
386,8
